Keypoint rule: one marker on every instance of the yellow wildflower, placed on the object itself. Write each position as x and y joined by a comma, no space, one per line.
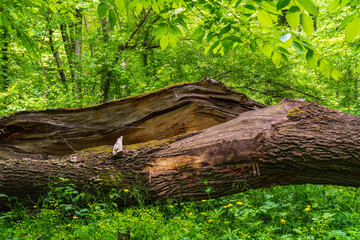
126,190
203,200
230,205
34,206
239,203
307,208
225,206
68,225
311,228
190,214
102,213
75,217
210,220
202,213
283,221
171,206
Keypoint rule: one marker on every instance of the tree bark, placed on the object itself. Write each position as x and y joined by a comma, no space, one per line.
293,142
56,55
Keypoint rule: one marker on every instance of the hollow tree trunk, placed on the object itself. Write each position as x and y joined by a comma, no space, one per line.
293,142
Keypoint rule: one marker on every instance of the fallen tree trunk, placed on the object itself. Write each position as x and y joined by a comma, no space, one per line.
293,142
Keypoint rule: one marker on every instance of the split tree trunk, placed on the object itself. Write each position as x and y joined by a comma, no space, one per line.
293,142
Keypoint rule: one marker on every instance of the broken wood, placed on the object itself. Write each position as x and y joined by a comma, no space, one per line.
293,142
164,113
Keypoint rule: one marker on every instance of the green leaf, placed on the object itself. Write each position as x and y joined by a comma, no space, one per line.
293,17
344,3
225,29
346,20
175,30
264,18
336,74
164,41
276,58
284,37
182,22
139,8
312,59
173,40
160,31
3,195
282,3
357,49
6,20
306,23
228,44
212,47
352,30
102,10
53,8
284,57
309,6
253,45
298,47
325,68
335,4
112,18
267,50
281,49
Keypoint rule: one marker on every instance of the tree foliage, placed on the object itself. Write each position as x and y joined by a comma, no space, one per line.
77,53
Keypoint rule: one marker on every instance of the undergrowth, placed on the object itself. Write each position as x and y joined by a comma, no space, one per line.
292,212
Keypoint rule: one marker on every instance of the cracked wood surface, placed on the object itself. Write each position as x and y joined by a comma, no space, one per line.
164,113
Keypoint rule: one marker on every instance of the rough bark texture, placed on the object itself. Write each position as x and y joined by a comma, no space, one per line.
293,142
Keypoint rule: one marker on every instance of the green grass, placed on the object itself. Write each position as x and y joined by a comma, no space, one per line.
292,212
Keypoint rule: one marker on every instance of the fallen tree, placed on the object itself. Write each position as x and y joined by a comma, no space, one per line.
240,144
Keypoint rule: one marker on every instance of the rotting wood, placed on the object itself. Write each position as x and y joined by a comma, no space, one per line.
293,142
151,116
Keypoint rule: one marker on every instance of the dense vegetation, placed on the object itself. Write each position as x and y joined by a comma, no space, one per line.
60,54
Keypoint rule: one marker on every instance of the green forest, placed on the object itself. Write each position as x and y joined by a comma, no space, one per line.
79,53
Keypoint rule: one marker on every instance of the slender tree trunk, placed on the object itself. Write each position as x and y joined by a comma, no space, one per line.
293,142
106,69
69,48
5,60
57,58
77,39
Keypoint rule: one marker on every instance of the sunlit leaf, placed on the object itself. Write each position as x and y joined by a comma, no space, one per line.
309,6
139,8
164,41
312,59
336,74
264,18
352,30
276,58
325,68
173,40
335,4
307,23
267,50
293,17
160,32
